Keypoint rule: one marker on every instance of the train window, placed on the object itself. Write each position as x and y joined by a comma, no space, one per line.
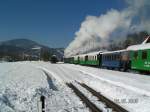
111,57
117,57
136,55
107,57
86,58
144,55
114,57
90,58
104,57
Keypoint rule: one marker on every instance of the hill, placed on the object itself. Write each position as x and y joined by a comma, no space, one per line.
22,48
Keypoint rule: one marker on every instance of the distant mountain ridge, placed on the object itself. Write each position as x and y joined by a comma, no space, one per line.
22,43
20,46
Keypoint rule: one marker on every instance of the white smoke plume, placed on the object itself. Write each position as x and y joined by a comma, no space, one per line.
96,32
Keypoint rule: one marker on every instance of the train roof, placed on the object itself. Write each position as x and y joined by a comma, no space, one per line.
108,52
139,47
92,53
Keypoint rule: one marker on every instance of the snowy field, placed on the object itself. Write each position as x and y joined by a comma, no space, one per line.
22,83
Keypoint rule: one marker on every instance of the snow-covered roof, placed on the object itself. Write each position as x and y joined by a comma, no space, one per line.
92,53
139,47
107,52
36,48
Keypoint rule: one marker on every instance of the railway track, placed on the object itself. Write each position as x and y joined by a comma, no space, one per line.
109,104
84,99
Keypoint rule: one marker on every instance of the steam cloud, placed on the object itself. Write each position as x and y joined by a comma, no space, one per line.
96,32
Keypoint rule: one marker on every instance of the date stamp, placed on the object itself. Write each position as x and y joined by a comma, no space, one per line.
125,100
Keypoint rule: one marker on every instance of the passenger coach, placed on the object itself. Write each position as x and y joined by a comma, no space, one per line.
92,59
140,57
135,57
116,59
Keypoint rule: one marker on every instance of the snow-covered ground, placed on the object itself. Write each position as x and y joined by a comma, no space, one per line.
22,83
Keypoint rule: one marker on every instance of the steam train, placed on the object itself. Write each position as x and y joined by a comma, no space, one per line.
135,57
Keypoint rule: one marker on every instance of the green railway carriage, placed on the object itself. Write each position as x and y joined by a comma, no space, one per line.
76,59
140,57
93,58
69,60
88,59
82,60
